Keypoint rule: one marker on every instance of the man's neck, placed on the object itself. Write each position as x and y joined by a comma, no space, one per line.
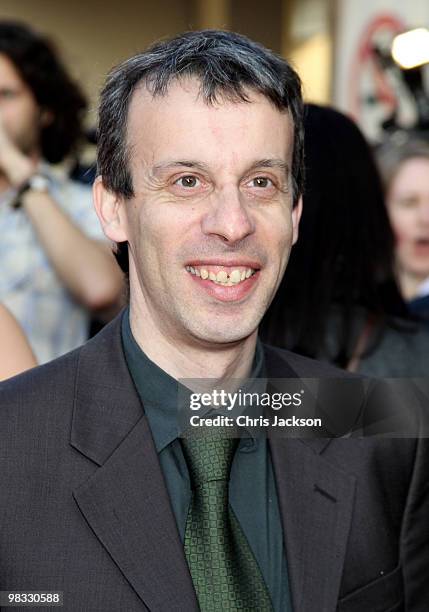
193,360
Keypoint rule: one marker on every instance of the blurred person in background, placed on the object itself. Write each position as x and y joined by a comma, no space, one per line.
339,300
405,170
15,352
56,267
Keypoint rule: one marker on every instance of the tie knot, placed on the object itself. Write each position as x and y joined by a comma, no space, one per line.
209,457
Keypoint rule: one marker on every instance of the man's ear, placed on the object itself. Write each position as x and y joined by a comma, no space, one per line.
296,216
109,207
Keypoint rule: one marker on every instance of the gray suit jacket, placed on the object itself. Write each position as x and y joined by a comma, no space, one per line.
84,508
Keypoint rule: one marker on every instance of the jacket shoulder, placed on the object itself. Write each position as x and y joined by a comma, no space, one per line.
51,384
284,364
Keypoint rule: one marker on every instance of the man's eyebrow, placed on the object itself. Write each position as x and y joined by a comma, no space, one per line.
270,163
187,163
191,163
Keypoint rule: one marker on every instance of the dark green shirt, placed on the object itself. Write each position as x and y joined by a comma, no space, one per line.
252,488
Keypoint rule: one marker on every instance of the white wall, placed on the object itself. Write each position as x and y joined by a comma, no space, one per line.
95,35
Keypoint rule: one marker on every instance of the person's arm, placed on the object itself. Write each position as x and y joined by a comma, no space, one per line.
15,352
86,266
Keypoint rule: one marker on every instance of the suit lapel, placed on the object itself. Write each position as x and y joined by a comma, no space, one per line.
127,506
316,503
126,502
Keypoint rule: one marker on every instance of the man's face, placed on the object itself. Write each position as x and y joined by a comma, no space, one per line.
20,115
211,225
408,208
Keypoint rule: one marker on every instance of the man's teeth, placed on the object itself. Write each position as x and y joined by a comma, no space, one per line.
222,277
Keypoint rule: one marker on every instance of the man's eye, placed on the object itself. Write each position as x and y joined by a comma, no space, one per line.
261,182
188,181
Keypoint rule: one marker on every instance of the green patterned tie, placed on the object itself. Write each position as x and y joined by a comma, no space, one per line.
224,571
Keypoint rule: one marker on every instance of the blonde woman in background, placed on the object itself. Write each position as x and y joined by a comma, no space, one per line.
15,352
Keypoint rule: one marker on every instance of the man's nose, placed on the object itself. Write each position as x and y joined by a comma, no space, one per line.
229,216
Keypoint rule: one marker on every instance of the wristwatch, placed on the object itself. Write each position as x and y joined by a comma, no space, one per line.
36,182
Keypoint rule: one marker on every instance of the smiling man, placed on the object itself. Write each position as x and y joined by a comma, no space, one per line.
200,177
210,223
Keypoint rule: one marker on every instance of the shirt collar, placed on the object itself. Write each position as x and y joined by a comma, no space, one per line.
161,406
423,289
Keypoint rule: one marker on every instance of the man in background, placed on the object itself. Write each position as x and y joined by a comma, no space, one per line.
55,268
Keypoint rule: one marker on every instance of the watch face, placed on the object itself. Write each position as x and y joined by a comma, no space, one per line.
38,182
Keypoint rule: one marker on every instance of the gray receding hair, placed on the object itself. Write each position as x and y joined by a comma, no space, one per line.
226,64
391,156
